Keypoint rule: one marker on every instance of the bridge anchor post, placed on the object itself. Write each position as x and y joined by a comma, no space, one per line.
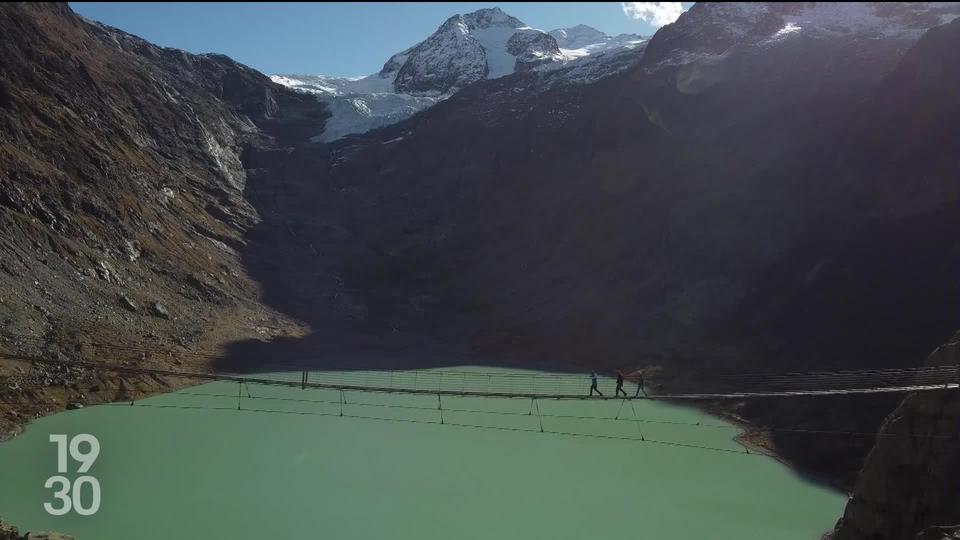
539,416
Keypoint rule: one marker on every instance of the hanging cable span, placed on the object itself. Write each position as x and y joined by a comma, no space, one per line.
510,385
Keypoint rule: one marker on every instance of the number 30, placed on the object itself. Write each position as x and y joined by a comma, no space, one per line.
75,503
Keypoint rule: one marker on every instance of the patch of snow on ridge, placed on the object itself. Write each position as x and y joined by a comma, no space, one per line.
592,67
839,17
709,29
877,19
300,84
578,37
359,113
789,28
785,32
494,43
335,86
573,54
582,40
948,18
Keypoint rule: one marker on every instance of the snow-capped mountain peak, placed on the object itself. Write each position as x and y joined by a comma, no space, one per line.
466,48
450,58
491,18
484,44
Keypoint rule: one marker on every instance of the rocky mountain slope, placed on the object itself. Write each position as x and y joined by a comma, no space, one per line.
121,199
484,44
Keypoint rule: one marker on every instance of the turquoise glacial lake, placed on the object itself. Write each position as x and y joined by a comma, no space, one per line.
288,465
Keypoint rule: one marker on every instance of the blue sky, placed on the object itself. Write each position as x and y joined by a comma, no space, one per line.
332,38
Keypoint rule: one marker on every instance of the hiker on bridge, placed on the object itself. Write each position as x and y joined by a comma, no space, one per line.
620,384
593,384
640,388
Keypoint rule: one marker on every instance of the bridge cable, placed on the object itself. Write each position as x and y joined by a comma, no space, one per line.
574,416
636,421
454,424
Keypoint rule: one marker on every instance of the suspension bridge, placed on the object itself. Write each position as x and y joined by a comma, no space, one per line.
555,386
525,384
337,394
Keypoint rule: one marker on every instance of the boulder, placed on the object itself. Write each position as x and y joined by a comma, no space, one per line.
46,535
159,310
127,303
9,532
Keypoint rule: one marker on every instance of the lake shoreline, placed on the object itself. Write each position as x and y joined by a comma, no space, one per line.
757,441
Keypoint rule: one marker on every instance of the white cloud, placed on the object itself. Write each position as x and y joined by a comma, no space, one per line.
655,13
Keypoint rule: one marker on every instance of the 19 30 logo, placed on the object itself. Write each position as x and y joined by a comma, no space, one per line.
84,449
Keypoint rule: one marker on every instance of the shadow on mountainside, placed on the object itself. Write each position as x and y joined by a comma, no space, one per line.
310,263
535,238
422,255
785,223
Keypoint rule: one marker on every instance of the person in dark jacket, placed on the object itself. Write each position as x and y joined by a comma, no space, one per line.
640,384
620,389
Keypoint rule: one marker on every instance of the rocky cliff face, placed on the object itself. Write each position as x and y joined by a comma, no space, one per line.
908,486
532,48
